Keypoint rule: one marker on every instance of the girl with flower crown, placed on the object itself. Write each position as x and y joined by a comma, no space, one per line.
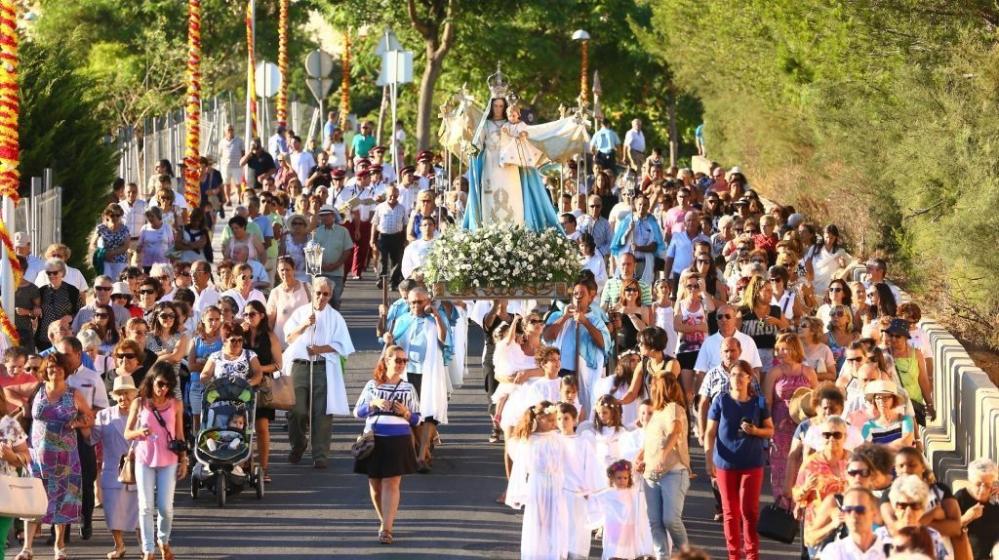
537,484
625,521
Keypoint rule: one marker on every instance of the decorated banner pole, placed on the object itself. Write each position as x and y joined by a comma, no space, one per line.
192,125
345,83
10,176
251,95
281,101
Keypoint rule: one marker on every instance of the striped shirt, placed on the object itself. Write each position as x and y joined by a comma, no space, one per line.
384,423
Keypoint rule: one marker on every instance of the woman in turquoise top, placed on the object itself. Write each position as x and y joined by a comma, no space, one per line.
206,341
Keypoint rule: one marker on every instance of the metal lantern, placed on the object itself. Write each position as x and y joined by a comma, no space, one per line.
313,257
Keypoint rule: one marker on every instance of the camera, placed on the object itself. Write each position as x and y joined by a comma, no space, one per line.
177,446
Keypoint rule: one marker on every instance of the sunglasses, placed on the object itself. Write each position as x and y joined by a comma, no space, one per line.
235,340
103,288
725,316
857,359
631,289
147,292
832,435
703,261
53,272
250,314
125,356
401,361
859,510
862,473
167,316
30,369
836,289
101,315
538,321
324,294
245,277
162,384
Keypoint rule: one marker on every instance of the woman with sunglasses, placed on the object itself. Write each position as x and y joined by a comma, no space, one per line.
154,420
260,339
233,360
818,355
889,426
103,324
57,411
290,294
390,408
293,244
908,497
911,369
113,237
690,321
714,284
823,473
943,513
629,316
166,338
59,299
879,301
869,466
129,360
244,292
207,341
840,333
838,293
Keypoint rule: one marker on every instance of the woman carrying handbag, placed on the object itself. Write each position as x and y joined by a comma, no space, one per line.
14,456
388,405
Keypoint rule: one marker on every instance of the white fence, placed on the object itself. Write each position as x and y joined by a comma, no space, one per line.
40,215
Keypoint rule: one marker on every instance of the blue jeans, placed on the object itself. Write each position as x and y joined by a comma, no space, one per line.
195,393
156,487
664,501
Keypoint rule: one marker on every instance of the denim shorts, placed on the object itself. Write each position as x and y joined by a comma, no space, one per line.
195,393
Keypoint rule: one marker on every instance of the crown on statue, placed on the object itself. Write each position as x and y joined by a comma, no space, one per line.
498,84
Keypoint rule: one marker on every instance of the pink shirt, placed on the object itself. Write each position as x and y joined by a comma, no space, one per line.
674,219
152,451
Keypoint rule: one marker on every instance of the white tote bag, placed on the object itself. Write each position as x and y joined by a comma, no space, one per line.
22,497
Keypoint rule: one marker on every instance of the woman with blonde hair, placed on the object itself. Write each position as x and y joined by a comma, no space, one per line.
779,386
389,407
761,320
840,333
817,352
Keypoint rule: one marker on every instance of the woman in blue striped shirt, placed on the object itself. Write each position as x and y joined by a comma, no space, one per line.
390,408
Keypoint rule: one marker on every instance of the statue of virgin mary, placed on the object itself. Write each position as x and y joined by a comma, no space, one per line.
510,190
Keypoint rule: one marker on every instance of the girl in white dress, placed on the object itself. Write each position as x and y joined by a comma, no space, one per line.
544,388
627,533
583,477
609,432
537,484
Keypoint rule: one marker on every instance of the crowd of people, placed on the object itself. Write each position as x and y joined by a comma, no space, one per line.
704,315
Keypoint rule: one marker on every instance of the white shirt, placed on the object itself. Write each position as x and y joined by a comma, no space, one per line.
179,202
135,215
415,255
240,302
846,549
73,276
230,152
207,298
89,383
635,140
35,265
709,356
302,162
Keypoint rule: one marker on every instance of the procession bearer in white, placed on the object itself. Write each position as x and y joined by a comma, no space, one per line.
317,337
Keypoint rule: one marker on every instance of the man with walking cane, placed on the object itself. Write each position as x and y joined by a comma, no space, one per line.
317,338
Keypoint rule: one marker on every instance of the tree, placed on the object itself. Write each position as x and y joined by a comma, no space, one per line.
60,129
437,29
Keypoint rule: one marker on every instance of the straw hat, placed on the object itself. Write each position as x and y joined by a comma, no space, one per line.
881,387
801,405
123,384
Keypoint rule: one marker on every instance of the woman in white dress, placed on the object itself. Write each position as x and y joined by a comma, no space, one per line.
827,260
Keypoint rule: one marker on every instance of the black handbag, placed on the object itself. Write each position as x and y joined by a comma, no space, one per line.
364,445
777,523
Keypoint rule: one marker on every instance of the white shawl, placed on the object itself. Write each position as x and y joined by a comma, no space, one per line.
330,329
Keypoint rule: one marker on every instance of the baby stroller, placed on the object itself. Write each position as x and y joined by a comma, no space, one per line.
225,441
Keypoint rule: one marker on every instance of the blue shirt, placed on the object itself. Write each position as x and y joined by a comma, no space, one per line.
265,224
734,450
605,140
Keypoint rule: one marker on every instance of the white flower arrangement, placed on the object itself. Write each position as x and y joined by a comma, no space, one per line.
501,256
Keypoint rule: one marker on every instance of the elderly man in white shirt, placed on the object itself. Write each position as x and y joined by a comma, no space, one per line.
317,337
634,146
416,252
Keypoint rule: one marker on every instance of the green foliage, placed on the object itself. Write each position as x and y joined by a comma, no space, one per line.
61,130
880,115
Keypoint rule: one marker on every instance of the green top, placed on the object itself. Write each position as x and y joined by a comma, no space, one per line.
908,374
362,144
334,241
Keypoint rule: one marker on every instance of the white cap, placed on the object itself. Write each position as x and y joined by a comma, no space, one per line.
22,239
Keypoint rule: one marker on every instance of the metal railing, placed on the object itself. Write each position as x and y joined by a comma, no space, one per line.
40,215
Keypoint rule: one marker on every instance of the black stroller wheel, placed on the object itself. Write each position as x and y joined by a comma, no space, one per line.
195,487
220,488
259,476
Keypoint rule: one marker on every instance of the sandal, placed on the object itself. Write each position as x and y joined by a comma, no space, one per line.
60,554
385,537
267,477
166,553
25,554
115,554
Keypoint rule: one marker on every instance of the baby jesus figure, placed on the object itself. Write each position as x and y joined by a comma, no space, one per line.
515,148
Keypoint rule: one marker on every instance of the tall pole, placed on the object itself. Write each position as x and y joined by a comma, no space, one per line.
345,83
281,102
584,87
192,126
10,176
251,95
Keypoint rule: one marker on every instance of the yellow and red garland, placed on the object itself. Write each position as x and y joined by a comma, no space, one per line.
192,174
10,109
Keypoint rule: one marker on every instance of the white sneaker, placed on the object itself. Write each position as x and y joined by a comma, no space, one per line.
212,445
234,444
238,471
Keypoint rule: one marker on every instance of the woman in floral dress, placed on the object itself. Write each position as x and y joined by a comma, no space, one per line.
57,411
113,236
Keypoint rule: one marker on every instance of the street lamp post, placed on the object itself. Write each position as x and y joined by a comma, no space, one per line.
584,38
313,267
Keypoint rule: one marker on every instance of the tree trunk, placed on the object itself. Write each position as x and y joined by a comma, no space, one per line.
428,82
674,135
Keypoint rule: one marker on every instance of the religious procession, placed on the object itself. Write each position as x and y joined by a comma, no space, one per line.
528,327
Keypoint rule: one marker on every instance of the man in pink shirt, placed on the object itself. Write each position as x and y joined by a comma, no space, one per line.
673,221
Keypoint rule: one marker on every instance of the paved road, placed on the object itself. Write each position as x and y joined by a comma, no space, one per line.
448,514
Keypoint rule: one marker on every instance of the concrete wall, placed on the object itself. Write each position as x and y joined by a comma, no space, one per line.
967,404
